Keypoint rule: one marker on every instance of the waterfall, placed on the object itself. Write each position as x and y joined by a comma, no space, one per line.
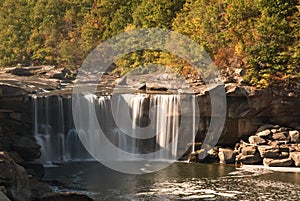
138,124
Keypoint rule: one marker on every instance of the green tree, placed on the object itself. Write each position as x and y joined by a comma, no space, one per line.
271,56
14,31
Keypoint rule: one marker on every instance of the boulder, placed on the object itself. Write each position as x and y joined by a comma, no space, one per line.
280,136
264,133
256,140
26,147
268,151
249,159
227,155
248,150
277,162
212,156
295,136
66,197
14,178
296,158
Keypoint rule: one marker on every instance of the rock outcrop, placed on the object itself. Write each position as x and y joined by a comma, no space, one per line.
272,146
14,179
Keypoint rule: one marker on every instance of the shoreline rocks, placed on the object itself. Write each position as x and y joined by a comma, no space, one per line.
271,145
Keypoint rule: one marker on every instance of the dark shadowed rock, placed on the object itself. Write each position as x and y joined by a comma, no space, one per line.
249,159
39,189
66,197
26,147
14,178
3,197
34,168
277,162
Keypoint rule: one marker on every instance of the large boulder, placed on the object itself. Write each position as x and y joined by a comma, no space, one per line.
277,162
14,178
256,140
227,155
296,158
281,136
263,133
268,151
248,150
249,159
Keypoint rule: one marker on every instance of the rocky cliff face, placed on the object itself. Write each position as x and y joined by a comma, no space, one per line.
249,108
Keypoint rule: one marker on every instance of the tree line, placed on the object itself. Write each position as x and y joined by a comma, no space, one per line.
261,36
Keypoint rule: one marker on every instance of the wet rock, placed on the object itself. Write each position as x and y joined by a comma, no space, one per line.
249,159
268,151
26,147
66,197
256,140
227,155
14,178
211,156
295,136
296,158
193,157
277,162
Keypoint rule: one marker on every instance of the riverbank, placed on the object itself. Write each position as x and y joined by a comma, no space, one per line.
271,146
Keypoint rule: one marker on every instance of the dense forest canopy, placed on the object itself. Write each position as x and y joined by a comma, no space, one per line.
262,36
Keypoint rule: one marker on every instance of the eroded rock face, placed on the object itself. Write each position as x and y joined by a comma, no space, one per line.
14,178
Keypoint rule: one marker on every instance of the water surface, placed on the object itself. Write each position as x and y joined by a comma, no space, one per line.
180,181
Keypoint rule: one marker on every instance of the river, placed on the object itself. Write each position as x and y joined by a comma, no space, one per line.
179,181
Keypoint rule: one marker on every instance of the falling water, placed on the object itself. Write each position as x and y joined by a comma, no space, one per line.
148,124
